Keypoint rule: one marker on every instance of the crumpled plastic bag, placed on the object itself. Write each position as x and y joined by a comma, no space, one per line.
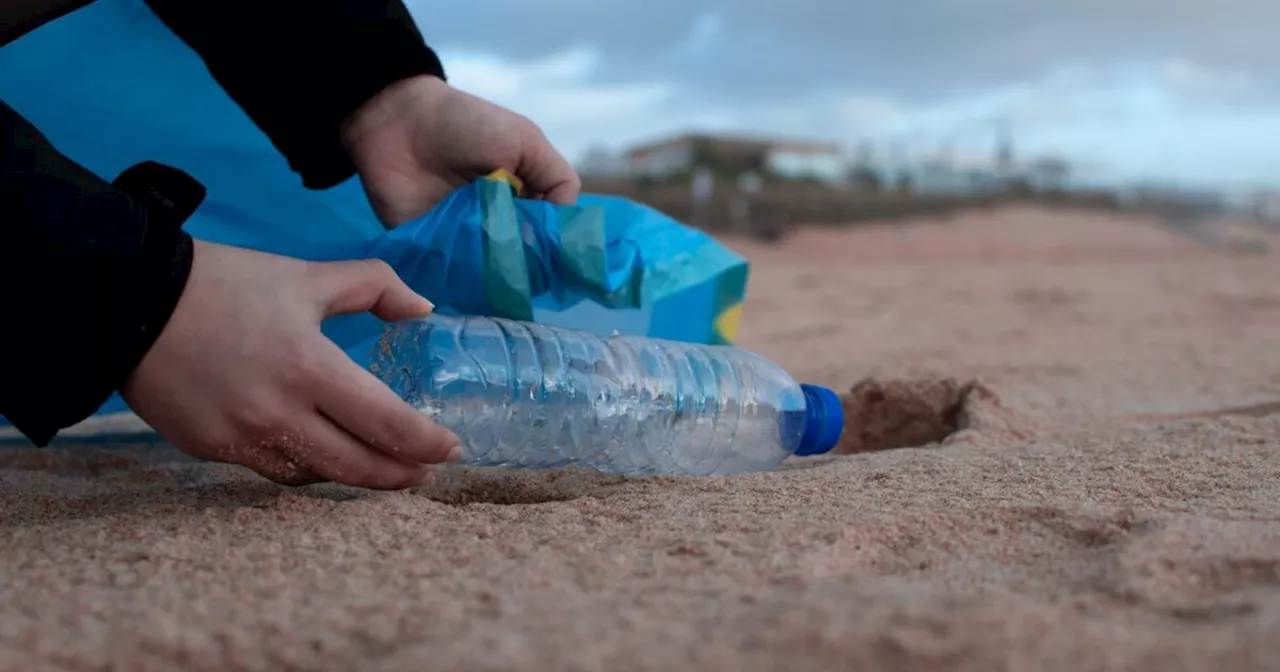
604,265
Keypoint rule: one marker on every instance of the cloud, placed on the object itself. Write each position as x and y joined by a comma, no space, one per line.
914,49
556,92
1133,119
1130,85
866,111
554,88
1208,84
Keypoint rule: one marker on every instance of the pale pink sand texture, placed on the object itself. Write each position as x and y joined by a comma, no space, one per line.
1089,481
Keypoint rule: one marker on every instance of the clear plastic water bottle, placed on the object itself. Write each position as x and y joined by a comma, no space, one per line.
534,396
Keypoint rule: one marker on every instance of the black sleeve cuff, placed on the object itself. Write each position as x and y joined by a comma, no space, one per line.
73,372
90,273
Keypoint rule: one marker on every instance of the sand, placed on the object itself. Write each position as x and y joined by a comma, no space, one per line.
1067,457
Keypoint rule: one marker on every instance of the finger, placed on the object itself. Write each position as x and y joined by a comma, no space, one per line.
346,287
545,171
340,457
370,411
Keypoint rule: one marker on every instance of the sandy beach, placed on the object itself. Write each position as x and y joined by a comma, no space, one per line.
1064,454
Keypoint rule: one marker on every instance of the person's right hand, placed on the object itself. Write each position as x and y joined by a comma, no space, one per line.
419,139
242,374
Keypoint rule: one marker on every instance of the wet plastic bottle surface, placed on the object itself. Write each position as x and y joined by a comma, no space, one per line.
533,396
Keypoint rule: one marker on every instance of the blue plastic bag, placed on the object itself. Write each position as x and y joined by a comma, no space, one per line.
604,265
100,84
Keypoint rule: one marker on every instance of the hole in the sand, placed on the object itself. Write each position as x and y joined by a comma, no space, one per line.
1213,613
883,415
463,486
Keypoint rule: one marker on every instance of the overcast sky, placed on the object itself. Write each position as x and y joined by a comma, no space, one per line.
1182,89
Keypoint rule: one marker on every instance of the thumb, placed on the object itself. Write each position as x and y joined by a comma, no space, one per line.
545,171
345,287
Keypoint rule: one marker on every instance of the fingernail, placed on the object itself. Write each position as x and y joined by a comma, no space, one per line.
430,305
455,454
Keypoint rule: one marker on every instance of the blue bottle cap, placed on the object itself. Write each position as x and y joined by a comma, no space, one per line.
823,421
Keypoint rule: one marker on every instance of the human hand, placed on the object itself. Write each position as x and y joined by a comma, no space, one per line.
242,374
420,138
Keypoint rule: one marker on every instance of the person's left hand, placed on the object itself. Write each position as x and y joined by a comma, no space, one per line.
420,139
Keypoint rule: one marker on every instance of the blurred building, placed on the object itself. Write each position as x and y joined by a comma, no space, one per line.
1047,173
733,156
1260,204
952,173
599,161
